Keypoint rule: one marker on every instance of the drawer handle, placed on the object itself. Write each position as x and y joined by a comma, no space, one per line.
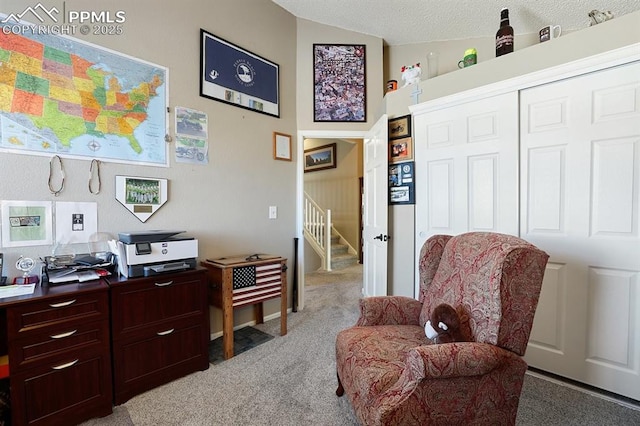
63,366
164,333
62,304
62,335
164,284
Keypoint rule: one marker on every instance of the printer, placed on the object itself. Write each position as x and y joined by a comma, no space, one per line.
155,252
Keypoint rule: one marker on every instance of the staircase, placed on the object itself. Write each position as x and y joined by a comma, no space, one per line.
333,248
340,256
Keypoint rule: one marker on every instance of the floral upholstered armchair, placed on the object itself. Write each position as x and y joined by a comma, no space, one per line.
393,375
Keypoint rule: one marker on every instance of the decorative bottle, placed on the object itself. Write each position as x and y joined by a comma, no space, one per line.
504,36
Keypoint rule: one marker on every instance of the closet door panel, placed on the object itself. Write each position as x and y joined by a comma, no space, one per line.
580,186
467,155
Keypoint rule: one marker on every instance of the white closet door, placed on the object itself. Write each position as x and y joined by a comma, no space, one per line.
467,169
580,146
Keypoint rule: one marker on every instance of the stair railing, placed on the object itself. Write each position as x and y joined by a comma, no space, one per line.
317,228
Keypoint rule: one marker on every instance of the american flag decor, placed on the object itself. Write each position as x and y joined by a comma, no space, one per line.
251,283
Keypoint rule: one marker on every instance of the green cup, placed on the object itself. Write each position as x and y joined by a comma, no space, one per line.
470,58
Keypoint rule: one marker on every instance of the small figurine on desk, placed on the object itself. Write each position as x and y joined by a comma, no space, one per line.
26,265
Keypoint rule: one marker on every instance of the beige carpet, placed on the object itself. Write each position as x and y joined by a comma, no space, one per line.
290,380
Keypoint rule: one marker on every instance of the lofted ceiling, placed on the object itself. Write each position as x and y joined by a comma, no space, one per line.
400,22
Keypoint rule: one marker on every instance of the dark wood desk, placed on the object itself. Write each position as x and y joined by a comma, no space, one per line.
242,281
59,352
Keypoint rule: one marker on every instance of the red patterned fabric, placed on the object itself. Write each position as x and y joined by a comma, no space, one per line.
393,375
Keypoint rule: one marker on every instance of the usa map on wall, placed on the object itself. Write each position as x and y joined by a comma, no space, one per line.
62,96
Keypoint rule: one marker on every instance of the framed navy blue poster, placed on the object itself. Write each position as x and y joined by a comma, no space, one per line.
235,76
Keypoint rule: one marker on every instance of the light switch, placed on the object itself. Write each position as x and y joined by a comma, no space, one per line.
273,212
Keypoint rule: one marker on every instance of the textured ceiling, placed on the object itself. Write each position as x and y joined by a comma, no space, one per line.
400,22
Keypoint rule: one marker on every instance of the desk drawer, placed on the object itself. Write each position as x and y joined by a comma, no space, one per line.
148,302
63,393
49,348
161,356
57,313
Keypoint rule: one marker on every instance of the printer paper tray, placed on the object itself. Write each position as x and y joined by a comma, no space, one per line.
161,268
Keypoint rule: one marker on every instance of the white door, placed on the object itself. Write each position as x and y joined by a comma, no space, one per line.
580,142
375,210
466,169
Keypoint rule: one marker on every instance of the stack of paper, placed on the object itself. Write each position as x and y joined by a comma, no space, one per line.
16,290
72,274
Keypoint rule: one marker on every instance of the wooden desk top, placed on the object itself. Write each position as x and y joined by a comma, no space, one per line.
45,291
245,260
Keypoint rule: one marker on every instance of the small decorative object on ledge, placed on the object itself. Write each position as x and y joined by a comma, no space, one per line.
432,64
549,32
470,58
504,36
411,74
597,17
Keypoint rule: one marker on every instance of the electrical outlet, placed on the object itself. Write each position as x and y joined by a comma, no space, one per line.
273,212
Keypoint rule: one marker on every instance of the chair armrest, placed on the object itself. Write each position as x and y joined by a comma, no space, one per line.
459,359
389,310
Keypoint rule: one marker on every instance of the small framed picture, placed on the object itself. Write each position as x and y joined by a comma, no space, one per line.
320,158
141,196
26,223
400,127
400,150
281,146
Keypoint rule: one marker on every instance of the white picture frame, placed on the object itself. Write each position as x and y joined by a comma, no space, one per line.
26,223
76,223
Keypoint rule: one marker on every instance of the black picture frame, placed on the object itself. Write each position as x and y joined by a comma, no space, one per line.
339,83
402,183
238,77
320,158
399,127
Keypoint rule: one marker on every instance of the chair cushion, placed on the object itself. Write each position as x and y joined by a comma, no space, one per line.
371,359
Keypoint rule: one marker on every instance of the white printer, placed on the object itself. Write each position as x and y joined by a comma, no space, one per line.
155,252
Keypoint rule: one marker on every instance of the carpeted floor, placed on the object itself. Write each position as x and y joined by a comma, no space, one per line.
243,339
290,380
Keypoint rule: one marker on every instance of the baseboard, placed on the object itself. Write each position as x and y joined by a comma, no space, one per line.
217,334
584,388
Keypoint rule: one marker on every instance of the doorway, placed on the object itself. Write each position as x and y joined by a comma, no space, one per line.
302,136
